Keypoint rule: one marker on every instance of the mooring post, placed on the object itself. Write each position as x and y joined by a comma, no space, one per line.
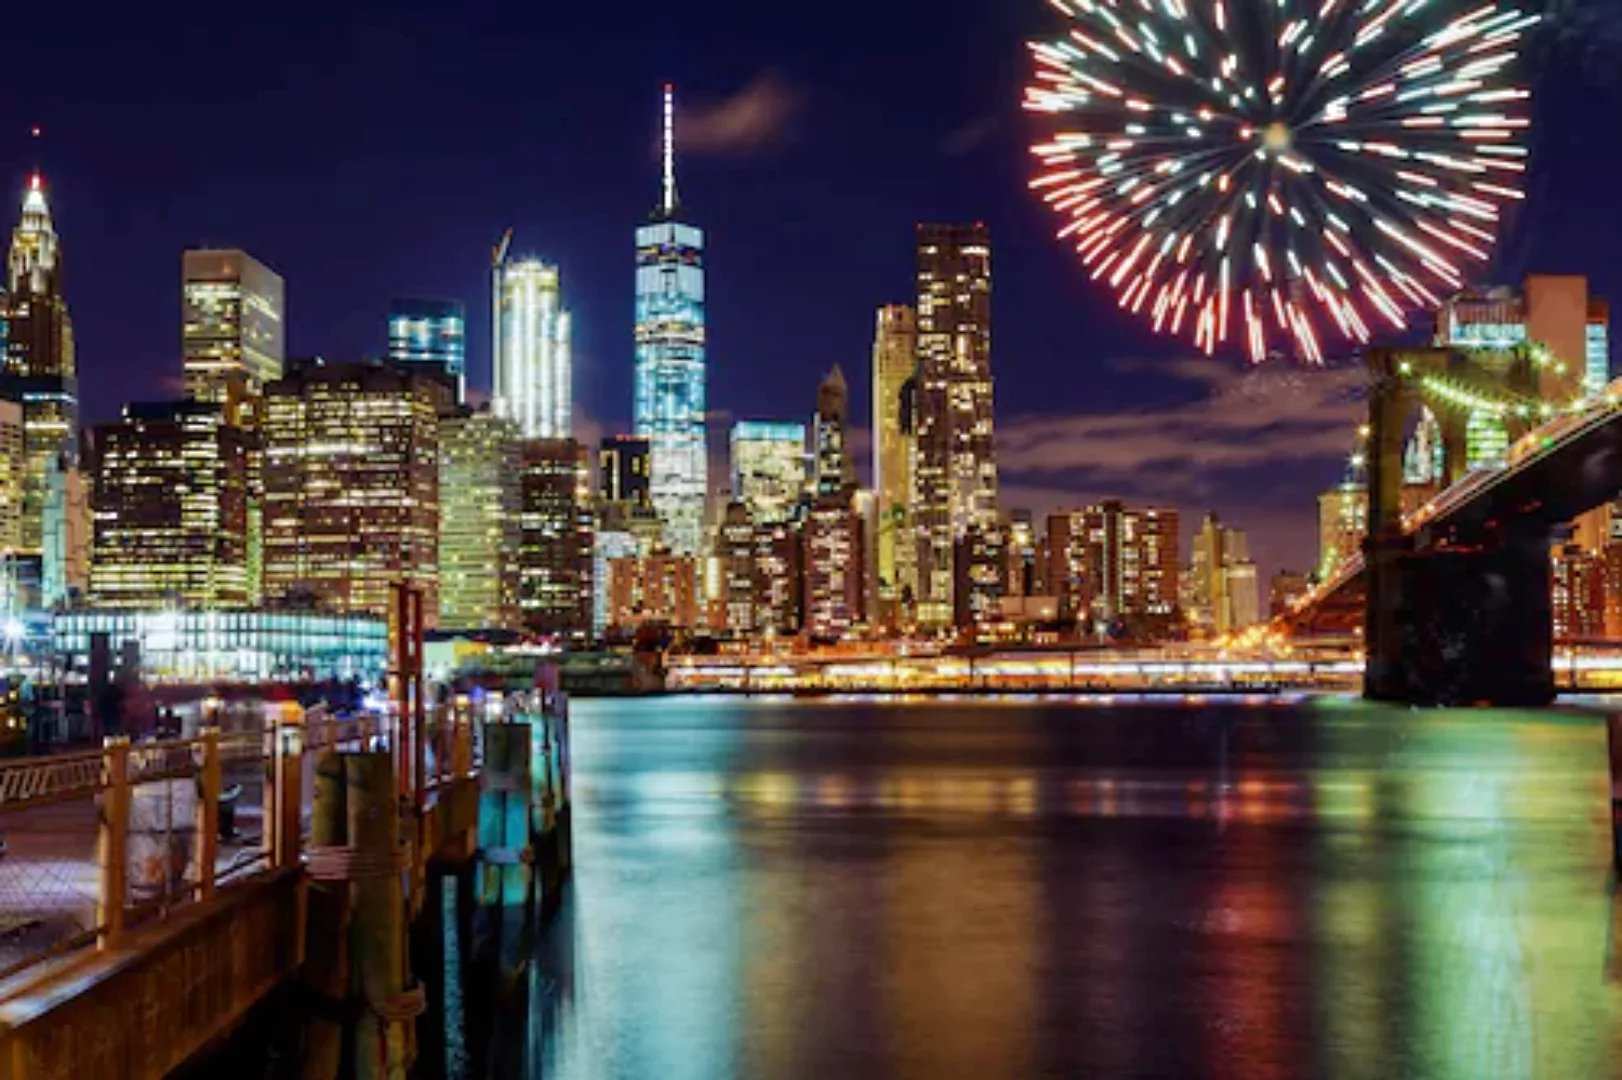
326,959
112,846
289,793
506,851
379,934
206,812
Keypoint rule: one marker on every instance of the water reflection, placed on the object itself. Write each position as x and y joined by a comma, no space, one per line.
859,888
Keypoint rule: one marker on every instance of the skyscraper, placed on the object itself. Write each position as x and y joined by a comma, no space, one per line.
39,334
954,477
530,345
1226,592
479,504
431,332
768,468
670,370
832,468
895,358
622,471
351,480
169,494
555,539
833,567
233,338
40,363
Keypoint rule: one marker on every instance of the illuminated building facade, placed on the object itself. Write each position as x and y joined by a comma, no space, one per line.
233,336
735,554
1343,521
895,359
65,564
669,403
531,346
40,367
768,468
351,478
1226,594
623,471
233,646
607,545
169,496
13,474
431,332
555,539
1111,561
1284,590
834,604
479,507
662,589
832,471
1578,600
1023,576
954,473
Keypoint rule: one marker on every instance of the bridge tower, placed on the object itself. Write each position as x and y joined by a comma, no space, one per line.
1459,615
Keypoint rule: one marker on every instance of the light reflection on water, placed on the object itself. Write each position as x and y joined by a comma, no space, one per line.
970,888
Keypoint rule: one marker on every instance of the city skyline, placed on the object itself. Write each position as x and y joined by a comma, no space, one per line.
817,156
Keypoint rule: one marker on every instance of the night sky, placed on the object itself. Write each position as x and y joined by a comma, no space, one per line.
366,154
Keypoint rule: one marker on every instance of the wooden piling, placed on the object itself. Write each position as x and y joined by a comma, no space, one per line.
206,811
378,930
326,960
112,844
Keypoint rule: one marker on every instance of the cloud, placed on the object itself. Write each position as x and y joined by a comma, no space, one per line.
970,137
1246,419
748,121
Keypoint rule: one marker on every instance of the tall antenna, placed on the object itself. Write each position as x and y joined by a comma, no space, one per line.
669,201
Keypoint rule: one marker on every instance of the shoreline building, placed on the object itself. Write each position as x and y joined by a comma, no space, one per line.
351,475
533,373
954,475
169,495
431,332
895,360
669,403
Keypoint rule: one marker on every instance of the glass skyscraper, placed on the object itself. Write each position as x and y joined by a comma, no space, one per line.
533,370
768,469
669,406
432,332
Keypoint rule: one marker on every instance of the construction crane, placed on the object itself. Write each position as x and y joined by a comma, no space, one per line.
498,254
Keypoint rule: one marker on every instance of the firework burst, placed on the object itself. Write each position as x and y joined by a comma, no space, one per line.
1260,171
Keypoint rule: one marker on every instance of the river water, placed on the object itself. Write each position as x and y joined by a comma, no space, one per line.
1043,887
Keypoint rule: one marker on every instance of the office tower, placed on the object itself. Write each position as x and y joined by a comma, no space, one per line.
533,371
1284,590
779,579
39,333
1226,593
768,468
1343,521
169,494
479,506
735,554
670,370
657,590
622,471
979,573
233,335
832,470
833,568
1556,312
954,475
13,476
1109,561
1023,573
895,359
65,563
555,541
432,333
39,371
351,481
606,546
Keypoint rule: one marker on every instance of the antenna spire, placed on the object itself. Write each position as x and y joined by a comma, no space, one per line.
668,202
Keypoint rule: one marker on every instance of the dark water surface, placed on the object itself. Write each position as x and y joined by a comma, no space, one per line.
857,888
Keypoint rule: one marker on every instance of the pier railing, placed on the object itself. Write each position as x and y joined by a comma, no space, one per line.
95,842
